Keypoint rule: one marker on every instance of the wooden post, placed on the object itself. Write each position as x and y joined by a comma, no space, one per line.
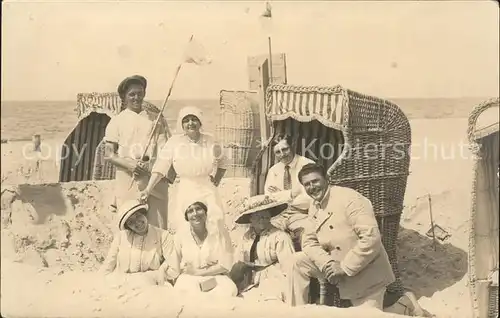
434,243
264,82
37,148
37,142
271,79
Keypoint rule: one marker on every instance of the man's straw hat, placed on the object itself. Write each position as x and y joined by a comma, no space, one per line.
259,203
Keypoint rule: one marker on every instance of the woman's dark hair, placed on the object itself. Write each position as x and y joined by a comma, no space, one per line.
311,167
200,204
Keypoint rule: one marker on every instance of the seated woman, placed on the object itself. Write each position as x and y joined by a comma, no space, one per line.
202,258
139,248
263,254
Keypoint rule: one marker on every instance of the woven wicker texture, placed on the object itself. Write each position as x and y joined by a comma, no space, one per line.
371,138
103,170
235,129
481,238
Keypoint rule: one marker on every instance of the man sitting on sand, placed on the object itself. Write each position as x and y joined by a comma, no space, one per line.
343,246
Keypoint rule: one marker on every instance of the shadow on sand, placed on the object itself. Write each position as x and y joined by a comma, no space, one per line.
46,200
425,270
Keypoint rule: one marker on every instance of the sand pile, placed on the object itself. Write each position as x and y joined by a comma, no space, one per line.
56,226
437,272
69,226
74,294
54,232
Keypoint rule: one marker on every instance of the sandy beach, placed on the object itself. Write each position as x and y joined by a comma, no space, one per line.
76,239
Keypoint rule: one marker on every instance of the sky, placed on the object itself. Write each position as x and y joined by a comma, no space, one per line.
55,50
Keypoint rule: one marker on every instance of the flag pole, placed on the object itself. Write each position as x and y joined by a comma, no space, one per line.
161,111
270,60
164,105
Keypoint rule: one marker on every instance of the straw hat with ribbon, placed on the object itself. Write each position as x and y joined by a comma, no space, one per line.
260,203
127,209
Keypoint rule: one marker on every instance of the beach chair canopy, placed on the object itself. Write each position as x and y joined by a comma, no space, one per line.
373,137
484,120
483,134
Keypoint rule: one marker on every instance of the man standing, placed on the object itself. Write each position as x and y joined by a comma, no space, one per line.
343,246
126,137
283,177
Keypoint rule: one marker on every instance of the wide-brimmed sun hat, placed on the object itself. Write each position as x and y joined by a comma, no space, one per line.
259,203
127,209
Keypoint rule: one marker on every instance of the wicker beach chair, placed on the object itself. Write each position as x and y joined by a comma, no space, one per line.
364,141
94,111
236,130
483,135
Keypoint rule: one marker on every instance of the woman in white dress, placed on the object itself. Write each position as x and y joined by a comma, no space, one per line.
202,259
200,165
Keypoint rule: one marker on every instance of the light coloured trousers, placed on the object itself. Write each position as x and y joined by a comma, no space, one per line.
298,289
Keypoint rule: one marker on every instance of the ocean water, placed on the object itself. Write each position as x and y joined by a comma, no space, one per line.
56,119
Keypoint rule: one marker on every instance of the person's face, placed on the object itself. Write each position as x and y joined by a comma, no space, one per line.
196,215
134,97
138,223
315,185
283,151
191,124
260,221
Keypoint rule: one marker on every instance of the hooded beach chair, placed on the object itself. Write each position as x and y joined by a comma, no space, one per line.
483,135
365,142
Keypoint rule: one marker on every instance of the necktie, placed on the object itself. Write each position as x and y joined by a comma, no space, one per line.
287,178
253,249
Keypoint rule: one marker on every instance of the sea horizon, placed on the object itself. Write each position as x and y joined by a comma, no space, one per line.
56,118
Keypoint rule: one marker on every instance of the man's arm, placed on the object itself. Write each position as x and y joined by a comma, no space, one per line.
112,139
271,182
111,155
362,218
221,163
312,248
302,200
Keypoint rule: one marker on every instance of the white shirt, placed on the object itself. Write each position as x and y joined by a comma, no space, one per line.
131,132
275,177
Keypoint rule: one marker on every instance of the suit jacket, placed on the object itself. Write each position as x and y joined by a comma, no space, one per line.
345,230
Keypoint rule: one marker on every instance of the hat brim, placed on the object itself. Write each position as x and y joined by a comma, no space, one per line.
129,213
274,209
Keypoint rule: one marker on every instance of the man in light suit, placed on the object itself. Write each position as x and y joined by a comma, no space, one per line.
342,245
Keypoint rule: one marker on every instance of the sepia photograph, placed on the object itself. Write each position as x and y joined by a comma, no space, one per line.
256,159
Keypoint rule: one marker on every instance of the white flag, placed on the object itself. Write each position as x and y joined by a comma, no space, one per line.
195,53
266,19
